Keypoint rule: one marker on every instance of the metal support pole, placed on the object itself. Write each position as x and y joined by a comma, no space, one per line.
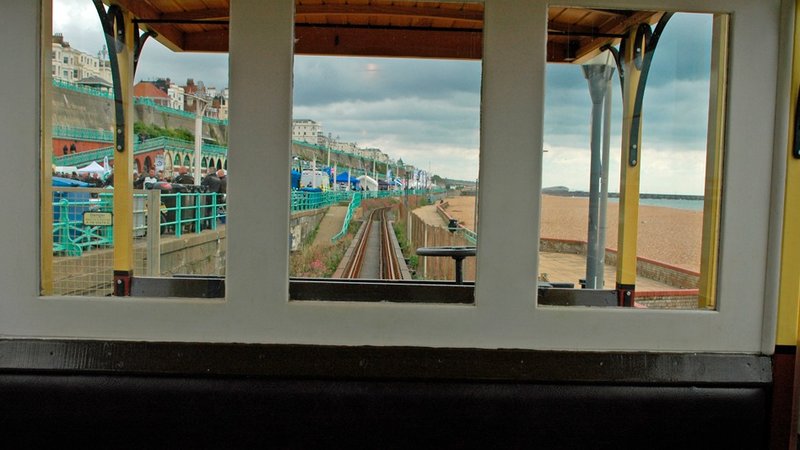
154,232
598,76
603,222
198,136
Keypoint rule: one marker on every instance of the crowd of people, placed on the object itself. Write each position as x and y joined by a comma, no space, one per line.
93,179
213,181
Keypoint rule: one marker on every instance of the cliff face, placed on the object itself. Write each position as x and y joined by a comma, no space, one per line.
80,110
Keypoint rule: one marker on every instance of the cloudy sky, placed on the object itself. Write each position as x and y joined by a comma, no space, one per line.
427,111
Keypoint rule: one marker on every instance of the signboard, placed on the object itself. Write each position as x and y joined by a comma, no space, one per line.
97,219
159,162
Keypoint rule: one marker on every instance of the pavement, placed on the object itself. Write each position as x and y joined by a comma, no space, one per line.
570,268
330,225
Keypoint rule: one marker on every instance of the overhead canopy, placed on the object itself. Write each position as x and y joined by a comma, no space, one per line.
383,27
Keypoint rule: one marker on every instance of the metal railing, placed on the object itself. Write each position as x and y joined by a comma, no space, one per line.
162,108
178,213
305,200
85,134
82,89
70,236
469,235
137,100
148,145
355,202
334,151
191,212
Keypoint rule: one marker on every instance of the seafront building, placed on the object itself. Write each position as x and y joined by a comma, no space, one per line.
72,65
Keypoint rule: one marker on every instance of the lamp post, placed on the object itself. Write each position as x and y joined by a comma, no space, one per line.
199,110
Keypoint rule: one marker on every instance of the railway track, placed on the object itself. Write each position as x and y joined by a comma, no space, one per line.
374,249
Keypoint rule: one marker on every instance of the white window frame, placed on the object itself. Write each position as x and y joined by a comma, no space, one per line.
257,307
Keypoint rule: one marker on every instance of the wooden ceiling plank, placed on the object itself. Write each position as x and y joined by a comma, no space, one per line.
399,11
168,35
388,43
570,28
214,41
620,25
205,14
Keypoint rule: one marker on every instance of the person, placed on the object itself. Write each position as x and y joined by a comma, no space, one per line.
211,182
65,150
183,176
223,186
73,148
150,179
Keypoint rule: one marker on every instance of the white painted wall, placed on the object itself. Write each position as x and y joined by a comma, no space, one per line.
505,315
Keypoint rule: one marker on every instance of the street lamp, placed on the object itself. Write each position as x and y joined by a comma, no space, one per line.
198,133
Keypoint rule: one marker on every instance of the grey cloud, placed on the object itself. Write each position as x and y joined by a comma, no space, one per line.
323,80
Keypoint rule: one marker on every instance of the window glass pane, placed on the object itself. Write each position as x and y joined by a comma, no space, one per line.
178,202
399,135
662,183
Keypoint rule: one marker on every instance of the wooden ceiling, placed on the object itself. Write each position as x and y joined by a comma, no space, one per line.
382,27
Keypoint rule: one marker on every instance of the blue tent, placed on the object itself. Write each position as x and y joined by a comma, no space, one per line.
295,178
342,178
68,182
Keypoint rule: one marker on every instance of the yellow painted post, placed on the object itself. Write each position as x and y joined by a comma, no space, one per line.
788,339
46,134
123,168
789,291
628,227
712,198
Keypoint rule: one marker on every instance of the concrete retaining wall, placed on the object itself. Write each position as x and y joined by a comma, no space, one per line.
195,254
302,224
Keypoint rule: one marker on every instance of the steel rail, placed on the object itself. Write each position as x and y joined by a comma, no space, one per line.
353,268
390,269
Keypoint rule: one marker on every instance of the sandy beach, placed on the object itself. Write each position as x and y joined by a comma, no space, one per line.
669,235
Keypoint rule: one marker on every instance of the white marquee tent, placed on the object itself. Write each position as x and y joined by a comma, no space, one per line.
92,168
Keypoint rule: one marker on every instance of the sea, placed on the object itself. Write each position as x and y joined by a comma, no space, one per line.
677,203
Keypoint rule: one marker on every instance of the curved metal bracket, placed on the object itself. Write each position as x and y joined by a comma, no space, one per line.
139,45
643,37
646,42
615,54
113,23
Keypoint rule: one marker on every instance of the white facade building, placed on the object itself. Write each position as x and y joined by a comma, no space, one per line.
71,65
175,93
306,130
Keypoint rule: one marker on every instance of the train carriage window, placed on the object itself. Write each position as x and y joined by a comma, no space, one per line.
179,124
529,111
385,137
631,173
